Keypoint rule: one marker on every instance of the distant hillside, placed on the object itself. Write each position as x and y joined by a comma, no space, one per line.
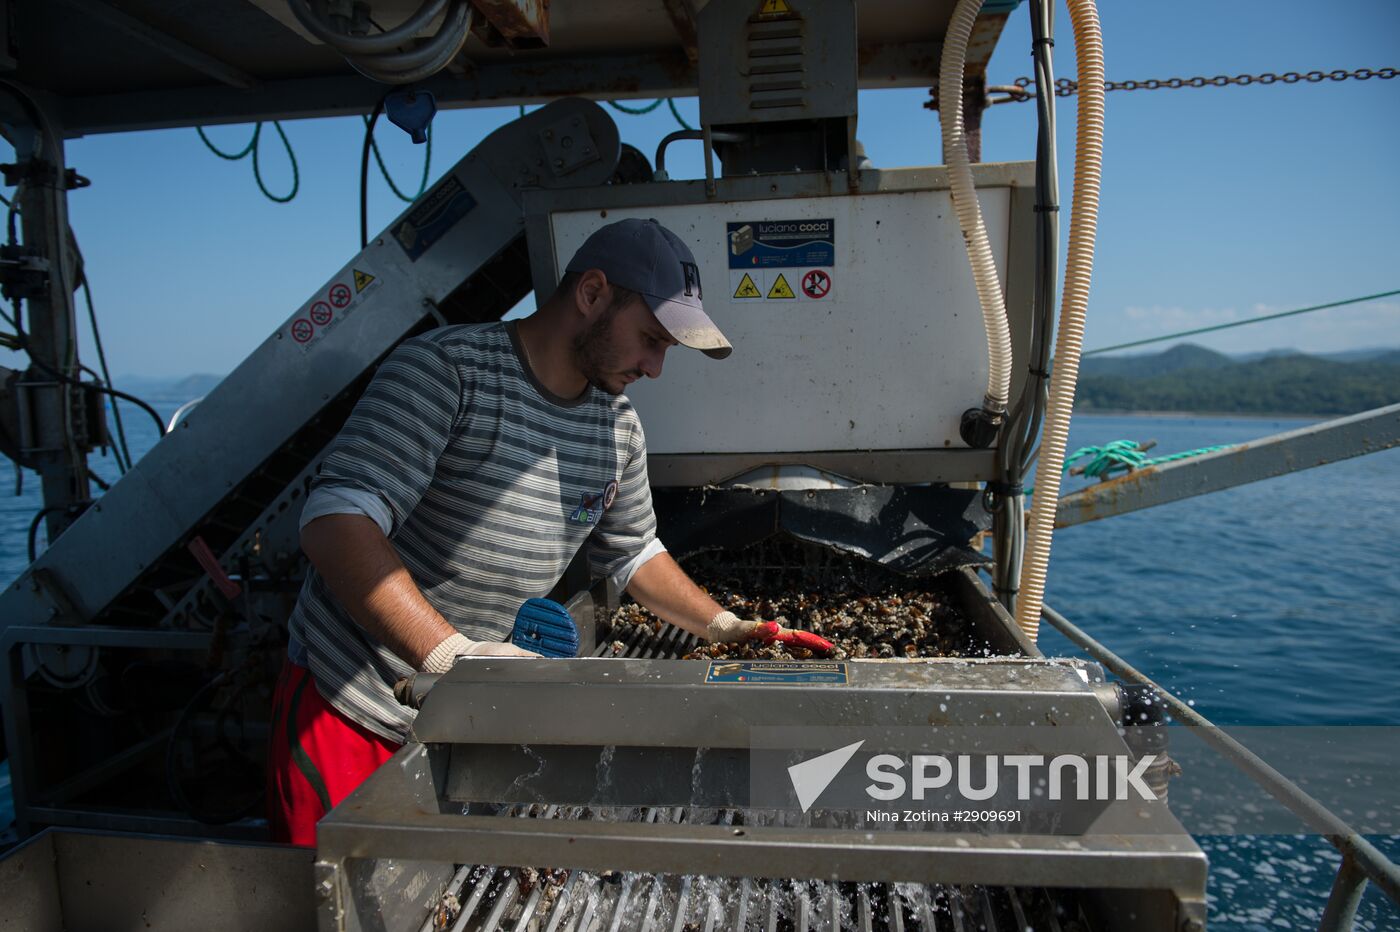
1191,378
1180,357
179,388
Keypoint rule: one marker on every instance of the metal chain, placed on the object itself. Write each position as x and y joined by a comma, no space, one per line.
1064,87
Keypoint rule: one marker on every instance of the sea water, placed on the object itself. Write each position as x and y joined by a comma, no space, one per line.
1276,603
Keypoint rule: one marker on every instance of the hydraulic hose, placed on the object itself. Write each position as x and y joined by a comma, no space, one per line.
377,56
368,45
1079,266
969,211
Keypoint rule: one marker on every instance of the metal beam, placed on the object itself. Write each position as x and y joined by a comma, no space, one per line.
1276,455
522,79
691,470
164,42
682,13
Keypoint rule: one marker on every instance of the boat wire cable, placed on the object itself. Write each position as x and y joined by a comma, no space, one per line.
1241,323
384,169
23,338
51,147
252,148
1015,453
379,57
364,171
1079,267
33,537
120,449
1377,866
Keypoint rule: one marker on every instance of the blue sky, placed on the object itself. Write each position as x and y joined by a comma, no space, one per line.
1217,204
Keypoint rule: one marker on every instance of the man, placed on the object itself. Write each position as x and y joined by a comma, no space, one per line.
478,462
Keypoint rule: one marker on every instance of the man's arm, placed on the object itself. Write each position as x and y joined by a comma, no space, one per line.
664,588
366,575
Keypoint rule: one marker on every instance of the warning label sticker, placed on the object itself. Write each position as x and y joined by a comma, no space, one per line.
774,8
783,244
759,672
816,284
746,288
775,287
329,309
340,294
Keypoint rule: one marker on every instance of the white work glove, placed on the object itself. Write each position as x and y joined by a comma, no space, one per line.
728,628
442,657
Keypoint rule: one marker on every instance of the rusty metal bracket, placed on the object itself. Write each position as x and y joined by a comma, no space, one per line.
1276,455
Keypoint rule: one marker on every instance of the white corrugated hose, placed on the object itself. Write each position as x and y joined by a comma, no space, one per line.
1079,266
969,211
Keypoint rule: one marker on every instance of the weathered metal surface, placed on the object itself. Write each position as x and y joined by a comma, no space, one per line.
393,815
880,392
797,63
668,703
68,880
99,12
523,23
1276,455
682,13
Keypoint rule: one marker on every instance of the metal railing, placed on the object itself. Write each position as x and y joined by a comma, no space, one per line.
1361,860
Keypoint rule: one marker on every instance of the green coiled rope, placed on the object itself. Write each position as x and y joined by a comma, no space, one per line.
252,147
1126,456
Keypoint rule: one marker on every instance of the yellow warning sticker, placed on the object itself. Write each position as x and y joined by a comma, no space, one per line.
781,289
774,8
362,280
747,289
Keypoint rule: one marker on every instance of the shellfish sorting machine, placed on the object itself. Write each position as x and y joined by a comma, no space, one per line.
641,789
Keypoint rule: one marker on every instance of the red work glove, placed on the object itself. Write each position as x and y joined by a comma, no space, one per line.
726,627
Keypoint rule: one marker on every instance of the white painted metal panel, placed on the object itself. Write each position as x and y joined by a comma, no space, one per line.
888,359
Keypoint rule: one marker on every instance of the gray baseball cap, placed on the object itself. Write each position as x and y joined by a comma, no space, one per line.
645,257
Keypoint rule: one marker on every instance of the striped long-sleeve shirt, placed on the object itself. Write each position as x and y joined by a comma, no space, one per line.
487,485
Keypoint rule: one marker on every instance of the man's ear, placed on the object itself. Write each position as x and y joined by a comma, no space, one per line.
592,293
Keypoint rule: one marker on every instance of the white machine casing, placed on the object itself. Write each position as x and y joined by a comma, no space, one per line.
886,359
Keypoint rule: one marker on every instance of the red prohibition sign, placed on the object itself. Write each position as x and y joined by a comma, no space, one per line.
816,283
340,295
321,313
302,330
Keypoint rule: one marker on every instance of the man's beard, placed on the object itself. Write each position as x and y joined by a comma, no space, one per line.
596,356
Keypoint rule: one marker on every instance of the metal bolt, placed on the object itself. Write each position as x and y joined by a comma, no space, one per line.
549,134
566,143
558,163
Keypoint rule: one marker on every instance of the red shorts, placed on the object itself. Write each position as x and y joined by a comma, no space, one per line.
316,757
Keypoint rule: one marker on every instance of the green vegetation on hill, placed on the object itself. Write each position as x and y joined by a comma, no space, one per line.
1191,378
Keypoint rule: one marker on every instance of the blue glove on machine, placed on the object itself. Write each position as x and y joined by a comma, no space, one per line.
546,628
